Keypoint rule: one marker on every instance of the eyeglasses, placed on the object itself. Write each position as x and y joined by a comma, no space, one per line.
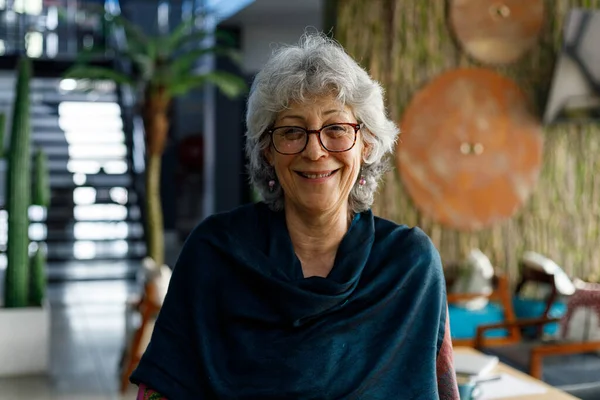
335,138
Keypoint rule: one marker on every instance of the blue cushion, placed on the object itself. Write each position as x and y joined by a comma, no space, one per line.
530,308
464,323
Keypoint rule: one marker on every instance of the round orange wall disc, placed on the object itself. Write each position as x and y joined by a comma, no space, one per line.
470,151
496,32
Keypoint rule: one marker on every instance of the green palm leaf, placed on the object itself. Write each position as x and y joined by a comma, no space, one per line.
179,33
185,62
98,73
222,37
136,38
229,84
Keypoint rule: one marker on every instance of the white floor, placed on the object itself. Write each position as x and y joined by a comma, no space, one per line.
87,336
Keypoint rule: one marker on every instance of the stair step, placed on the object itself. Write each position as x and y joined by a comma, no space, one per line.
87,250
65,202
63,222
92,195
58,136
41,109
93,269
48,136
121,180
65,242
83,123
55,98
98,188
47,84
112,231
90,228
88,211
87,150
64,166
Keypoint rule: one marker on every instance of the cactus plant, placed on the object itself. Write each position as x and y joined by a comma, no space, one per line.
41,187
40,197
37,289
18,194
2,129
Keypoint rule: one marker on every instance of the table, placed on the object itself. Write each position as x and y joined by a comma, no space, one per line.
551,394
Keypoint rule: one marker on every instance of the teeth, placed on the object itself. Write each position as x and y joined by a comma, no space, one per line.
315,176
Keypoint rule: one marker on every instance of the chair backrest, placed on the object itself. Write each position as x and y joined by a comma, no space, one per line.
474,276
549,278
500,294
581,322
543,269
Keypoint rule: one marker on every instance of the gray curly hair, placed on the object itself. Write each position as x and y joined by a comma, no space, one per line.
316,66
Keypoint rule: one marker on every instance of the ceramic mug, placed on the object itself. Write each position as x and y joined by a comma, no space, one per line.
469,391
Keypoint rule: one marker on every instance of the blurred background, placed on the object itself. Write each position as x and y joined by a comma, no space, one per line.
124,123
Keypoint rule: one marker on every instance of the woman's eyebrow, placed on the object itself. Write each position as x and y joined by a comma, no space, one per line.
328,112
293,117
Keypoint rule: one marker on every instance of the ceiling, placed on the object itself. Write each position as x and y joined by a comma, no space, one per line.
276,12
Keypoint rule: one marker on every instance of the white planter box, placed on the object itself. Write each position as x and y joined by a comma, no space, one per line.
24,340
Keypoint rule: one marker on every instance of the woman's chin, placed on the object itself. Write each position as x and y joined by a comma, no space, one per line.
318,202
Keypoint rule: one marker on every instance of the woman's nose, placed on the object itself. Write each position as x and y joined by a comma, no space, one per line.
314,150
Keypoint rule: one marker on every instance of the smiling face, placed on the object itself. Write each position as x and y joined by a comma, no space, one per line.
316,180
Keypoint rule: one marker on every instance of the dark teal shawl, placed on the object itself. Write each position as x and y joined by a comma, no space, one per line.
241,322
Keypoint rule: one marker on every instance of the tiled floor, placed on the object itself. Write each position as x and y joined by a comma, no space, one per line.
87,335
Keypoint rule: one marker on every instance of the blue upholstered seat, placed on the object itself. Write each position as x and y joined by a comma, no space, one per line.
464,322
530,308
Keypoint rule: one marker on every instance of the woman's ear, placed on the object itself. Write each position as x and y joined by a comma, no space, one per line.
268,154
366,150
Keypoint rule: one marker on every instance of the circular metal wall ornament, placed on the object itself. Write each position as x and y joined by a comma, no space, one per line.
470,151
496,31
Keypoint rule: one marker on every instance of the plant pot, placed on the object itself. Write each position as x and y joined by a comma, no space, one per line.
24,340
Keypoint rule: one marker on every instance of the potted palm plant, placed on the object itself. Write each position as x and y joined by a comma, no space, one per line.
163,68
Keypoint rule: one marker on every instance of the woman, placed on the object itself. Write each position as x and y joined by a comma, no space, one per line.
306,295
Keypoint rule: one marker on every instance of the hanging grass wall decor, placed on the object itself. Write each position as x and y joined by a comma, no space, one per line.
405,44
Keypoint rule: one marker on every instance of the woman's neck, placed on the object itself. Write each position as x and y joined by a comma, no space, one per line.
316,238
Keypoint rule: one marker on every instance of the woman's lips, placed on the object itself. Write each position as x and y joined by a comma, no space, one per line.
317,176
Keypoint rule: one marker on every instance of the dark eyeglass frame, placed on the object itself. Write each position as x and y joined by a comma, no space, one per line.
317,132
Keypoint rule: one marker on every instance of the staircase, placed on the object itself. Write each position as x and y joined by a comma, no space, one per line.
93,228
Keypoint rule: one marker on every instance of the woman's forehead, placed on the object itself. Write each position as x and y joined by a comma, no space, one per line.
319,105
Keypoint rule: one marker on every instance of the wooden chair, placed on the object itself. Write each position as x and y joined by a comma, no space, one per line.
533,272
573,366
148,310
530,274
501,297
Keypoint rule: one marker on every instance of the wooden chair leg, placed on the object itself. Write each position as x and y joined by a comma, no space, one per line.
131,357
535,365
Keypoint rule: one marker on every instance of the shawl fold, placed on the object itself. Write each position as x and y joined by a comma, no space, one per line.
241,322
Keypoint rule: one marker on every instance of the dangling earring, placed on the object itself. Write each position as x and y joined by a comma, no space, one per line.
361,182
271,185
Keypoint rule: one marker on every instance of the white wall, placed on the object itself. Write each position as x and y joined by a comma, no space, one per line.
266,24
258,42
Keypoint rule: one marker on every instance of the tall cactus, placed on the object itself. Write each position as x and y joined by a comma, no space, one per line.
40,197
18,193
41,187
37,289
2,129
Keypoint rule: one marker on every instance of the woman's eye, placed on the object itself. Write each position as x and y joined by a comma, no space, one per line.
293,134
335,131
293,131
